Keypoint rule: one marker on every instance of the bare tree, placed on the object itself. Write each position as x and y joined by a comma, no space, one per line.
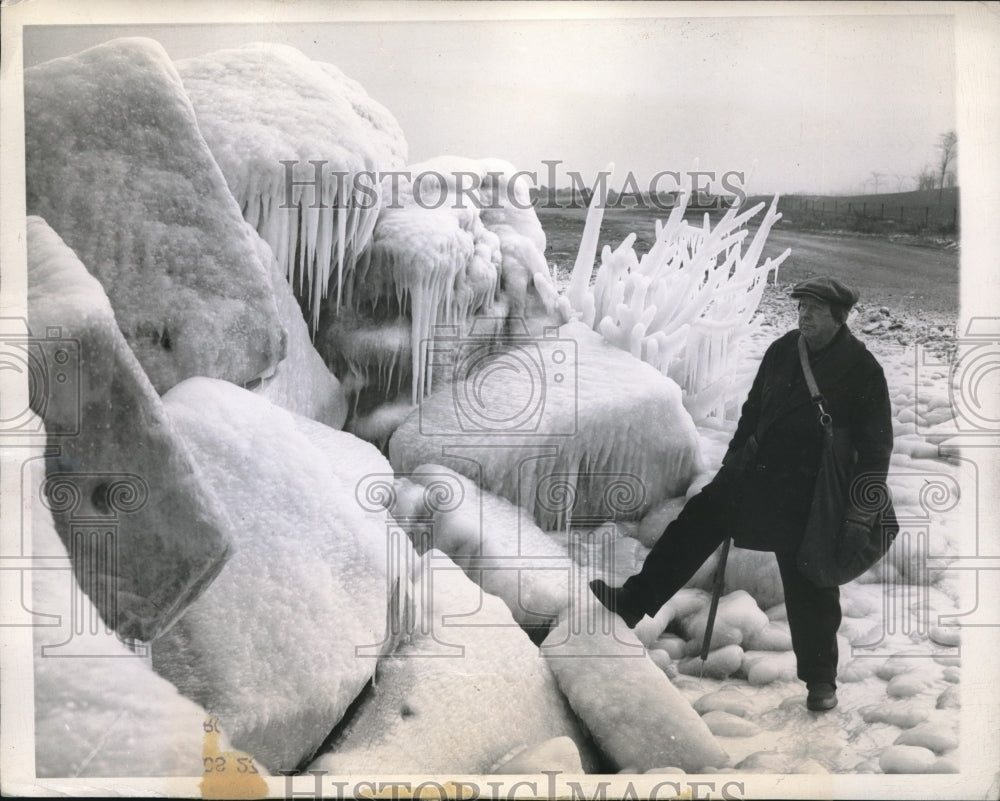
900,180
948,152
876,177
926,179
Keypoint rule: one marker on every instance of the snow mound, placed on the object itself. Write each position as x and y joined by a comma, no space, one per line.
310,555
755,572
116,164
686,305
301,381
498,546
720,663
300,145
635,715
119,461
609,437
466,660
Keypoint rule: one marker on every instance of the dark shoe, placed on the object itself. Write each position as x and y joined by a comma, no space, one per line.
614,599
822,696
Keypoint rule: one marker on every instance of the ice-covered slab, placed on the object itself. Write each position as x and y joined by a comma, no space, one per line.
288,634
563,425
465,691
120,465
636,716
115,162
499,546
107,713
264,104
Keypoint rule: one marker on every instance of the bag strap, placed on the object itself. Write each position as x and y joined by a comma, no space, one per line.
814,393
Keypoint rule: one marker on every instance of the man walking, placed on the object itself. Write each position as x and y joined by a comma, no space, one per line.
762,494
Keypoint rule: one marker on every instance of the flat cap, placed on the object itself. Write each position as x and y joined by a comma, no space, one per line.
828,289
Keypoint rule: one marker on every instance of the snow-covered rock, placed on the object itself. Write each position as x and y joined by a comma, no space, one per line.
107,713
115,162
458,697
634,713
607,438
755,572
264,104
499,546
120,462
729,700
288,634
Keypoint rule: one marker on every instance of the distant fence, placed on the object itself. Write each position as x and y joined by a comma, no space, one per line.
875,214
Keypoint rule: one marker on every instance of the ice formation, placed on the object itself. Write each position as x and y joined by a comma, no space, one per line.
116,164
466,690
276,646
685,305
301,381
567,427
452,249
116,460
264,104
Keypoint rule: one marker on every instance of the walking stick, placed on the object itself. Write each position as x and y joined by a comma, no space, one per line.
720,577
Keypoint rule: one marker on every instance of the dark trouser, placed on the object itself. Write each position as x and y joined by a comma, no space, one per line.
704,522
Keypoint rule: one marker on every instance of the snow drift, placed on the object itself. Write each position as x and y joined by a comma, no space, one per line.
116,164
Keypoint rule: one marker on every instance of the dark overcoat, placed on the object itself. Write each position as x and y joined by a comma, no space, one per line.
775,488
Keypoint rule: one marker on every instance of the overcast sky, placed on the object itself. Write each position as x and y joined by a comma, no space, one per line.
819,103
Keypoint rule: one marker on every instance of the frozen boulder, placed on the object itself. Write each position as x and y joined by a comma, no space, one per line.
559,753
301,381
120,463
766,667
906,759
754,572
723,724
299,144
288,634
775,636
465,690
773,762
498,545
635,715
104,712
719,664
737,618
904,714
115,162
729,700
609,436
655,522
934,736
